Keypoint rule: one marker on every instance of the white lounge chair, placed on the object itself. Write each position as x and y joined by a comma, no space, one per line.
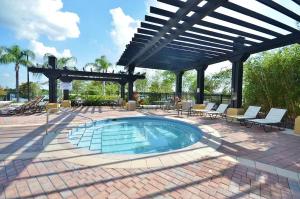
208,108
220,111
251,113
273,118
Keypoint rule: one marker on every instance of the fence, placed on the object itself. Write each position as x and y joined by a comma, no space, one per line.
151,98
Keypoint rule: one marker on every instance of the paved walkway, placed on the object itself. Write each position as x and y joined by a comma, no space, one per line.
276,148
207,177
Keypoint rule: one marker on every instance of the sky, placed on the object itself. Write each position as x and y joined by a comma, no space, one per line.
85,29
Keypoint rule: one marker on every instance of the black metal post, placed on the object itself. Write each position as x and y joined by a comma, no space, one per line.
237,74
237,84
130,90
52,80
178,91
200,84
66,94
123,91
28,82
130,82
52,89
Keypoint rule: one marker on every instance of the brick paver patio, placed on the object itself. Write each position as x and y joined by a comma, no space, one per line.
207,177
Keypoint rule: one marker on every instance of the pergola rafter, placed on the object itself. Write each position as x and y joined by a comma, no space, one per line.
199,34
184,31
66,75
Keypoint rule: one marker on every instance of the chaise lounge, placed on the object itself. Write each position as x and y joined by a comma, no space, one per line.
208,108
273,118
251,113
219,112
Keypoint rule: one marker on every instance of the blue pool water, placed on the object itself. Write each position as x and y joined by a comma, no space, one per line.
135,135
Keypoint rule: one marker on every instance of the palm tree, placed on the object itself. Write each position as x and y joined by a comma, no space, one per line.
18,56
63,61
66,61
100,64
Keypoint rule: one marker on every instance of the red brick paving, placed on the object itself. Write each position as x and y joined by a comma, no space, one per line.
206,178
275,148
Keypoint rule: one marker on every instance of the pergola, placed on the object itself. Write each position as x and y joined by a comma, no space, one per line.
185,39
66,75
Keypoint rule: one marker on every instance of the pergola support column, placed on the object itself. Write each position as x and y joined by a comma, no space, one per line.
178,91
52,61
130,90
52,89
237,73
200,84
130,82
237,84
123,90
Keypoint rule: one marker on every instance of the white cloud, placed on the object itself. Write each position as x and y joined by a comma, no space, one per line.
33,18
214,68
40,50
124,27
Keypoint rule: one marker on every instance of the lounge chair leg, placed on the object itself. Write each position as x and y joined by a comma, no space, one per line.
265,128
251,124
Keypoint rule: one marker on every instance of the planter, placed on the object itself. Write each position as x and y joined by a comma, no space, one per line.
297,125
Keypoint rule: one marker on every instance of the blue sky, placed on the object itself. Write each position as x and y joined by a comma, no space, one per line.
95,25
88,29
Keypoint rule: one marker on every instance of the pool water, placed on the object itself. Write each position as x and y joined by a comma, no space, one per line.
135,135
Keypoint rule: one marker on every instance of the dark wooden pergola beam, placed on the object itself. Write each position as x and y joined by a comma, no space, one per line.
180,52
214,26
172,22
259,16
150,32
63,72
200,42
244,24
184,37
280,9
164,13
272,44
144,38
243,10
153,48
297,1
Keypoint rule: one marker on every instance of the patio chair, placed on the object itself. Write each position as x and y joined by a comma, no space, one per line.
219,112
197,107
273,118
184,106
208,108
251,113
28,106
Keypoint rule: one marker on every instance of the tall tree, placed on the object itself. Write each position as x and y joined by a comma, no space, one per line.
66,61
17,56
100,64
62,61
103,63
141,85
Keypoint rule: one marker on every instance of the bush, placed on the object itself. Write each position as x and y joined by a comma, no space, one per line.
272,80
95,100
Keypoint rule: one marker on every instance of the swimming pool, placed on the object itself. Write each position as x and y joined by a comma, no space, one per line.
135,135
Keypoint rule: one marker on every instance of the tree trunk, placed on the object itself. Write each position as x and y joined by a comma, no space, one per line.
17,82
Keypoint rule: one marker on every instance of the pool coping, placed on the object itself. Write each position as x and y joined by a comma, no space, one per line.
205,147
